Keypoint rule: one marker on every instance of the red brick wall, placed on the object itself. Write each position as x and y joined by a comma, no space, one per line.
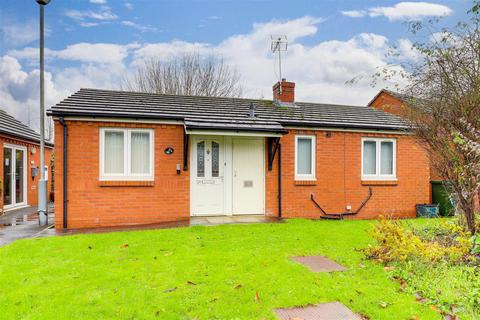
390,104
287,93
338,171
338,174
95,204
32,160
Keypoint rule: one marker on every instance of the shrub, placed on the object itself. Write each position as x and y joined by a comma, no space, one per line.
444,242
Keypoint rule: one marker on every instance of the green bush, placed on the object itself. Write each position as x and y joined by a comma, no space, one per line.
443,242
436,262
453,289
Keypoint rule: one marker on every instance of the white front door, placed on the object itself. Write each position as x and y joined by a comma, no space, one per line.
248,176
14,176
207,176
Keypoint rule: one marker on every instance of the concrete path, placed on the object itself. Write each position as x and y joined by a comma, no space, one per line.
216,220
22,223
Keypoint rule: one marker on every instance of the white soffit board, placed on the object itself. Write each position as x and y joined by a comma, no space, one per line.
232,133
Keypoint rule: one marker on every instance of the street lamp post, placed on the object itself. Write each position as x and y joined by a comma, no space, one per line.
42,184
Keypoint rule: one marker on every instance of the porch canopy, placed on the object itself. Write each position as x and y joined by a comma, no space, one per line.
250,127
230,127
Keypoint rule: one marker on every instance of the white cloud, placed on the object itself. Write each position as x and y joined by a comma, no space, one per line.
97,52
20,93
100,15
98,1
403,11
140,27
167,50
19,88
89,24
407,51
446,38
411,10
354,13
129,5
89,18
320,70
15,34
82,52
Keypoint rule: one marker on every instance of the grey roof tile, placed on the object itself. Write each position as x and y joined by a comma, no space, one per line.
218,112
12,127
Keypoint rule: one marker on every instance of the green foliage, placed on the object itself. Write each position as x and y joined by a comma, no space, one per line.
453,289
476,244
476,8
444,242
435,261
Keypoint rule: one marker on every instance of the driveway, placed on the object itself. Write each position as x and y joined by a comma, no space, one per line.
22,223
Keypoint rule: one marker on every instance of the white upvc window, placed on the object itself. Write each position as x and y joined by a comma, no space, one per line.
379,159
305,157
126,154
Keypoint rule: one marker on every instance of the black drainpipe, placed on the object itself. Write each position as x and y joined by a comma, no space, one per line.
279,180
65,134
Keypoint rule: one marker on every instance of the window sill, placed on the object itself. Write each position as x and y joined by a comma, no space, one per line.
379,182
305,182
126,183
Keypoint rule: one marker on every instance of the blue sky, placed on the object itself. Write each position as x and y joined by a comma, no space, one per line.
95,43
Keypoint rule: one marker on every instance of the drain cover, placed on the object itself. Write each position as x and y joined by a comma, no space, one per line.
319,264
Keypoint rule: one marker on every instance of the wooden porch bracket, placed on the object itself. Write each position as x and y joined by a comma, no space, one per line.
273,143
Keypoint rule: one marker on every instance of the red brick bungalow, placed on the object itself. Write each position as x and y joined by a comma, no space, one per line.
125,158
20,158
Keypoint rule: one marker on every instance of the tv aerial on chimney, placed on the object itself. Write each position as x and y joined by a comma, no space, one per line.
279,44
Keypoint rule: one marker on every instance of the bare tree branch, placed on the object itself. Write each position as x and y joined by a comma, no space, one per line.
445,109
187,74
443,90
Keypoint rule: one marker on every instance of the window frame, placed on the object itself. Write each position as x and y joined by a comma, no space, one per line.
300,176
127,174
378,162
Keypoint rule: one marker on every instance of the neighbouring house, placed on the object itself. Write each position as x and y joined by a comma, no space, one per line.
125,158
391,102
397,103
20,160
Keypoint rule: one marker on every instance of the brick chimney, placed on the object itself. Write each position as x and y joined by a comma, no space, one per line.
286,93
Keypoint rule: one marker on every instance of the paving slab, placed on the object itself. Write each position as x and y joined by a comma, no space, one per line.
237,219
22,223
319,264
220,220
324,311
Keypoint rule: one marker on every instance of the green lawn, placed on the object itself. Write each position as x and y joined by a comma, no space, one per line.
197,273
